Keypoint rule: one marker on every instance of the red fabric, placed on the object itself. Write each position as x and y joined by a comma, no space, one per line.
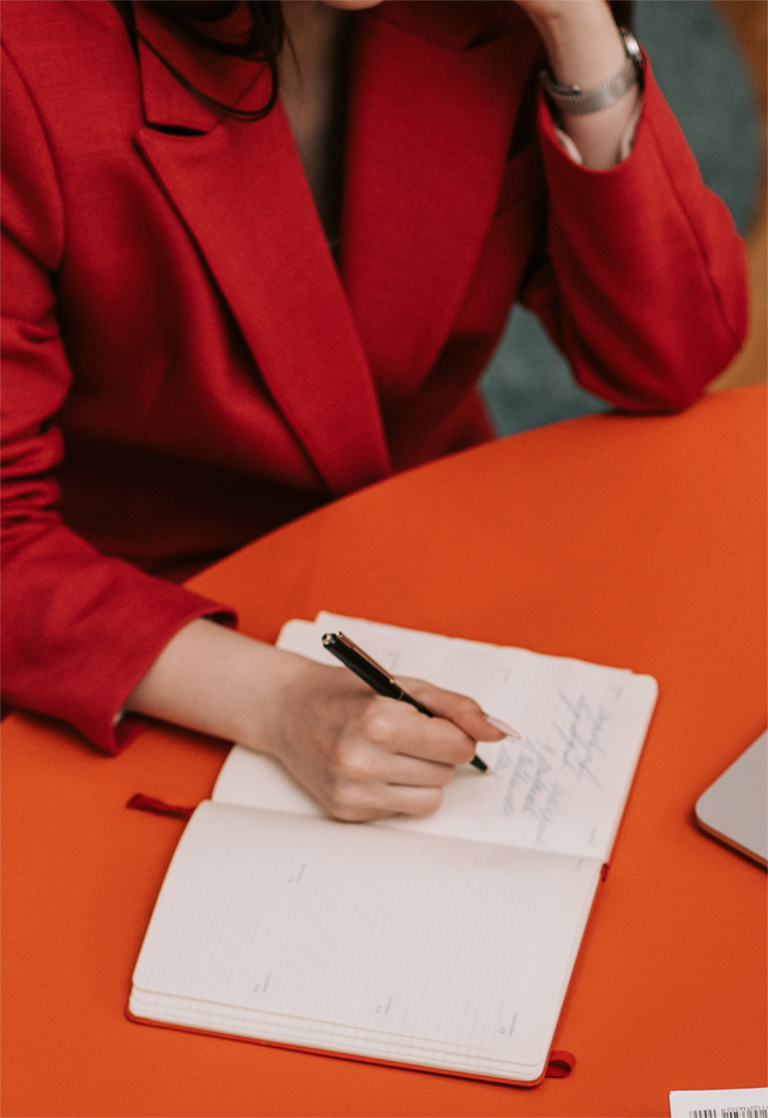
187,369
637,542
561,1064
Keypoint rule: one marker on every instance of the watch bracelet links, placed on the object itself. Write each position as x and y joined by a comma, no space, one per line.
574,99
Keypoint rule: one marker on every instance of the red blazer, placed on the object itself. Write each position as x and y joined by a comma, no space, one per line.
185,366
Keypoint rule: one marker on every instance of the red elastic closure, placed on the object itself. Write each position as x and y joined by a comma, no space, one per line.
140,802
560,1064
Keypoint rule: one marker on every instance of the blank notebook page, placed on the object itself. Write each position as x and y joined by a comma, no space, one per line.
379,942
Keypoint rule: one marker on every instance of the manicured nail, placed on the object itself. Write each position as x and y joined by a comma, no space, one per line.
499,725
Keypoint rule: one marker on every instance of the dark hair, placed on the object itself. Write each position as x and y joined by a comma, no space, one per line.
260,41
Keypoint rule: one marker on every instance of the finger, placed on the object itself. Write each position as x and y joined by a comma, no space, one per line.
360,803
404,799
363,762
459,709
398,728
416,772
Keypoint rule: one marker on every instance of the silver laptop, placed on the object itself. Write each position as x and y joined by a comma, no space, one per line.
735,808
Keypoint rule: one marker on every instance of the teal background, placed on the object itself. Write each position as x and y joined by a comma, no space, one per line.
699,68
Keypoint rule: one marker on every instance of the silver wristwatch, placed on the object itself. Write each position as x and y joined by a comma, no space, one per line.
574,99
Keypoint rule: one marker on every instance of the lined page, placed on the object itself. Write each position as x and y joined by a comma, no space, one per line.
561,789
292,928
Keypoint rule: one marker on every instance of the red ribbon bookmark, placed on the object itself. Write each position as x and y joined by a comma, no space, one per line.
140,802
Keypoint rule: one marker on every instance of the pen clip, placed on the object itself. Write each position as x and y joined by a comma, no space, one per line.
331,640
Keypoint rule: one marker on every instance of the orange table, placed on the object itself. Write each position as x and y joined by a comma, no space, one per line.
635,542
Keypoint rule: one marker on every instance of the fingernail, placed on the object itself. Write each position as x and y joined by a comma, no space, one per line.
499,725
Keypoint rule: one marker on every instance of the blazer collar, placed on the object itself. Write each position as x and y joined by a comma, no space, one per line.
431,109
435,93
232,182
446,23
166,102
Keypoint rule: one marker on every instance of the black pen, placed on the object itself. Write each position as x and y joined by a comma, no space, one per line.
364,666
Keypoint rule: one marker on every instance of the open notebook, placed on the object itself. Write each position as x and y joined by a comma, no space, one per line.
444,943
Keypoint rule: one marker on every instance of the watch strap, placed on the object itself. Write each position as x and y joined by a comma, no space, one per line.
574,99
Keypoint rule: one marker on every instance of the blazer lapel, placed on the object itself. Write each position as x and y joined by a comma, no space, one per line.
433,105
234,183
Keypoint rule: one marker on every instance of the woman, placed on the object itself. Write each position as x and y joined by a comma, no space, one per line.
219,314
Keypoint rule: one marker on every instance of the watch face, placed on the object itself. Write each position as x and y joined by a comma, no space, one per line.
632,47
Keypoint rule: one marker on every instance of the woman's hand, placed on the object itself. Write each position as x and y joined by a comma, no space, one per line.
363,756
584,48
360,755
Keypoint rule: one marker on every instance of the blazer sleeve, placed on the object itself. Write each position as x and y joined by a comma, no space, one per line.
643,284
79,629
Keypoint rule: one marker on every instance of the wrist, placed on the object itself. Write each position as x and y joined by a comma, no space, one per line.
583,44
556,14
215,680
579,101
